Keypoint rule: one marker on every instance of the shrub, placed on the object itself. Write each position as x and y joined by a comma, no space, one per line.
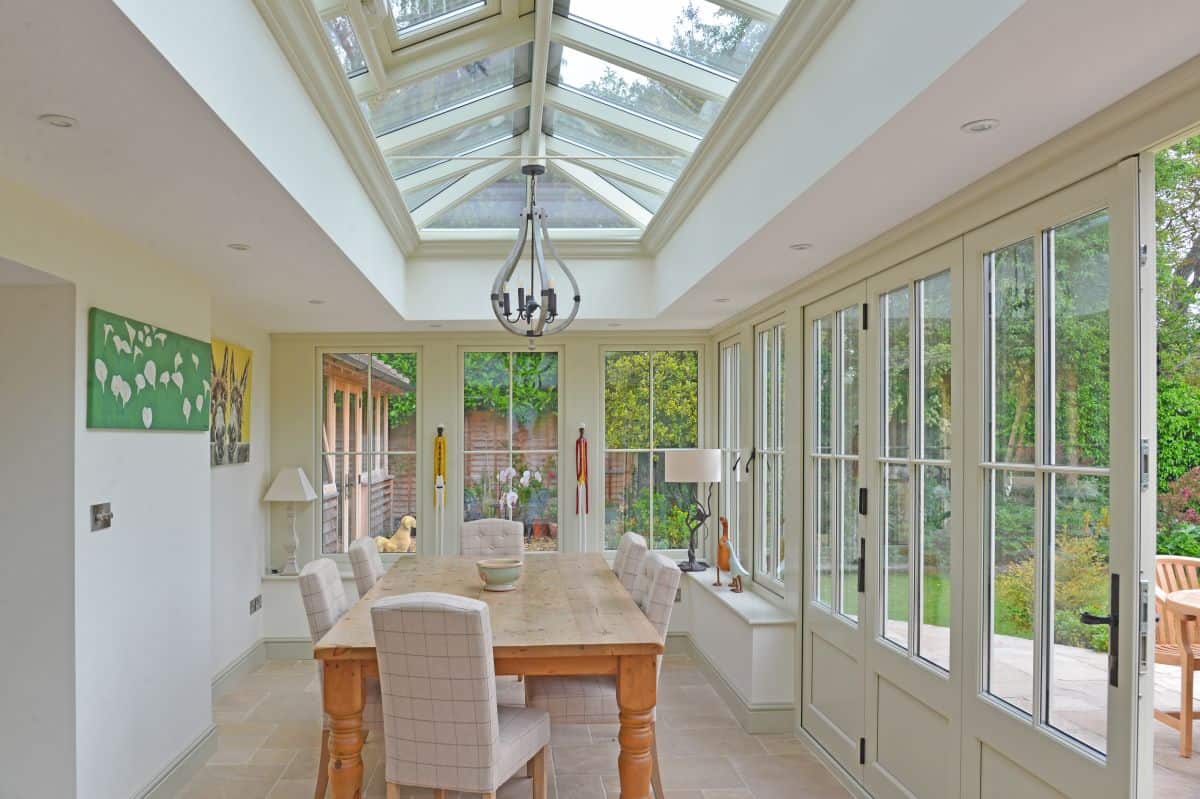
1178,430
1181,501
1081,584
1179,538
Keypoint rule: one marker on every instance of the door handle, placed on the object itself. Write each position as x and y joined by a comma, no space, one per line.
1112,621
750,460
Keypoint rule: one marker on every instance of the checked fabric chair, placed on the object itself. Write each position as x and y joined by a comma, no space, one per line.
325,603
492,538
631,552
366,564
593,700
442,726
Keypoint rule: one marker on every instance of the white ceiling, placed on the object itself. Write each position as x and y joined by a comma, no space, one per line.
151,159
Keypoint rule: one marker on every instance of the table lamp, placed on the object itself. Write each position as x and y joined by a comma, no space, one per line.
695,466
291,486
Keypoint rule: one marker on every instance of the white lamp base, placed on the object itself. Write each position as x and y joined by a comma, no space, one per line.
291,545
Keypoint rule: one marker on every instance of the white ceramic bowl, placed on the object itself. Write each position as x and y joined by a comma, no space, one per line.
499,574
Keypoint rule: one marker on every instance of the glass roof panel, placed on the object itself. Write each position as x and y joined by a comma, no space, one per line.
345,45
501,204
650,200
608,140
697,30
661,102
418,197
455,142
410,13
411,102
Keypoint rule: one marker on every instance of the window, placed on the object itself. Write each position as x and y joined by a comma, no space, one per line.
730,439
368,450
915,467
769,519
1047,469
651,404
510,441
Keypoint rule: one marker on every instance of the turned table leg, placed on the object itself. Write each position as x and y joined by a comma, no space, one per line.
343,689
637,678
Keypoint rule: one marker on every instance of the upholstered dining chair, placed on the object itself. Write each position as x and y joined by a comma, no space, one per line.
366,564
631,552
492,538
442,726
324,603
593,700
1177,573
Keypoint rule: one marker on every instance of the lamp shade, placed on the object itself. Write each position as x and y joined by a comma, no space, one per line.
693,466
291,485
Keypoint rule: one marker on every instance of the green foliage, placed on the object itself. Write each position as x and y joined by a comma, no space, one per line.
1181,501
1178,430
1179,538
402,409
534,377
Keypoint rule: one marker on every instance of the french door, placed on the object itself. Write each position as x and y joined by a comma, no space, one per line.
976,502
1056,496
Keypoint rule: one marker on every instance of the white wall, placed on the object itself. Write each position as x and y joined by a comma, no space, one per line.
143,622
37,437
239,516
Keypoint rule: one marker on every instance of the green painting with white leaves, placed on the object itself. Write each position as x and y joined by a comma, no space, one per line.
142,377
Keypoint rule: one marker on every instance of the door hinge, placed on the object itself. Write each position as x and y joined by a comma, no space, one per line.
862,565
862,751
1144,463
864,316
1143,626
862,502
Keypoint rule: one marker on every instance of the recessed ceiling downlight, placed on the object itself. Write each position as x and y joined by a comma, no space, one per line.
800,246
721,299
979,125
316,302
58,120
238,246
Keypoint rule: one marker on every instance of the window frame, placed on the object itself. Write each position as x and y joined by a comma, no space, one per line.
701,349
319,453
463,452
776,324
732,502
391,41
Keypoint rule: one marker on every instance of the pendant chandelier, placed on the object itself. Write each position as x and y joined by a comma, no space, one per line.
536,311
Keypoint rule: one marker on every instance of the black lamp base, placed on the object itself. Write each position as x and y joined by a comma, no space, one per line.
692,565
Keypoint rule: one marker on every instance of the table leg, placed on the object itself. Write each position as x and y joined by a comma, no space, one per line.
344,705
637,686
1187,672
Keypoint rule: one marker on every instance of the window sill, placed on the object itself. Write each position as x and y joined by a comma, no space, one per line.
753,609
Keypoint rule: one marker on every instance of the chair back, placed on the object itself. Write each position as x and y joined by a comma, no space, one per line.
658,584
1173,573
438,679
492,538
366,563
627,564
323,595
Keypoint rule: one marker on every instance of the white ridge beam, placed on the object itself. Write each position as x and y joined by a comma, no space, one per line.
543,17
639,58
762,9
615,116
605,192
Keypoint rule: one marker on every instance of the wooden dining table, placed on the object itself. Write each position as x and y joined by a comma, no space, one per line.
568,615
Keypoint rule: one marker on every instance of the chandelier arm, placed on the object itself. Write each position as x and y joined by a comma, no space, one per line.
575,296
539,325
505,274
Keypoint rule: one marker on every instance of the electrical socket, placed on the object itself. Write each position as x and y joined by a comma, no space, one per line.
256,604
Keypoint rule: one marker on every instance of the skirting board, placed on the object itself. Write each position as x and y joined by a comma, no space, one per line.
754,719
169,782
835,768
289,648
242,665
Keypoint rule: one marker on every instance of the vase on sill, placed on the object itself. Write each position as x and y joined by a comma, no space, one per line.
723,549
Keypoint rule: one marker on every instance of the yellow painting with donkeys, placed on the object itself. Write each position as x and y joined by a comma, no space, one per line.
229,433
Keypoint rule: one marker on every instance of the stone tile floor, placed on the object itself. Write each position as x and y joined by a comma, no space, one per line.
269,734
